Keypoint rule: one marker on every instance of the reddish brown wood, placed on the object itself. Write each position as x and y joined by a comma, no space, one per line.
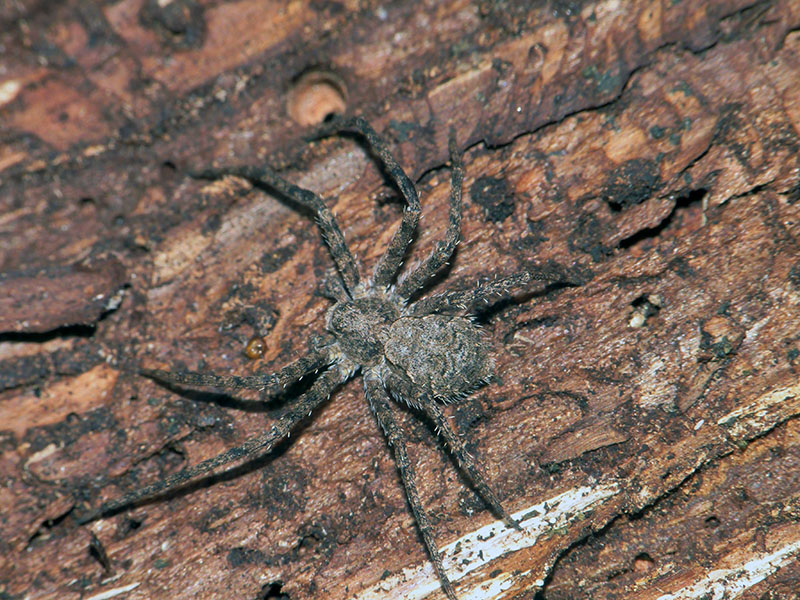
53,297
652,149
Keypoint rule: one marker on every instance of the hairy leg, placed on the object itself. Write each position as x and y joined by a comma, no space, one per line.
390,262
465,460
484,294
444,249
269,385
319,392
381,405
331,232
332,288
401,386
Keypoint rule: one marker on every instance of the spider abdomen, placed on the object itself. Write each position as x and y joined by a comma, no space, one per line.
443,356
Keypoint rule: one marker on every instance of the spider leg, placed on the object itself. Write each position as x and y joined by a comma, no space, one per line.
399,383
389,263
444,249
381,405
328,225
465,460
483,295
332,288
269,385
319,392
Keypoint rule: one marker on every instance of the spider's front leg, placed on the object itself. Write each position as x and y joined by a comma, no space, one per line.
444,249
331,232
392,258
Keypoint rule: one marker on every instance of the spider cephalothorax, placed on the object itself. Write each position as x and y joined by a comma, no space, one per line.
362,327
421,352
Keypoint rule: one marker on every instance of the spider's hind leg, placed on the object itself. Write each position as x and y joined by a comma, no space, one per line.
400,385
381,405
465,460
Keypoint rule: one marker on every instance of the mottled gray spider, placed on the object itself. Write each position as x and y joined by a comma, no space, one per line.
424,353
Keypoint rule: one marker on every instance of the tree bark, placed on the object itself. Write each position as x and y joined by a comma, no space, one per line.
642,425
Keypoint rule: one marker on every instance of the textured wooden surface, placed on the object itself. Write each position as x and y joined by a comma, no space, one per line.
645,422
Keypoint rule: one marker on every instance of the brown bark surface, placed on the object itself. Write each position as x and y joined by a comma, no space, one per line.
645,421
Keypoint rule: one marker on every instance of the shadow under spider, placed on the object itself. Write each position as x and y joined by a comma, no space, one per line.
423,352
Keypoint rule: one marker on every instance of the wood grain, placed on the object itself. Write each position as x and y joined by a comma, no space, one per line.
644,423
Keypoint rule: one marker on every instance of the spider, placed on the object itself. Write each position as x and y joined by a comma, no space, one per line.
424,353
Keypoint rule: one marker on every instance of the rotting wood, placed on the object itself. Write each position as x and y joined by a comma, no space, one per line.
683,184
53,297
